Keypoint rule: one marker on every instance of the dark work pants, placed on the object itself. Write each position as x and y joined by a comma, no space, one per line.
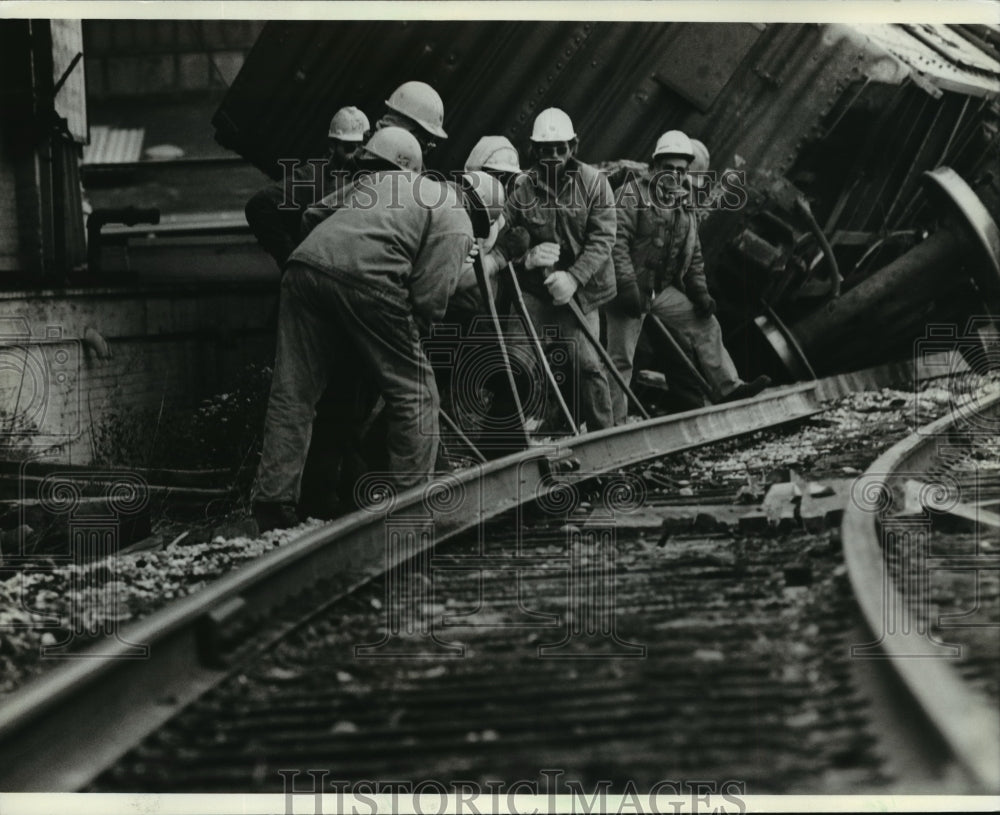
327,327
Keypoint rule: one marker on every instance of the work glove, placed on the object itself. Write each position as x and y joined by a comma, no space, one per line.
562,286
704,305
629,299
542,256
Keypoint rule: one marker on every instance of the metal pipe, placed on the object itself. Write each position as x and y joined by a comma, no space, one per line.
99,218
894,303
487,294
693,372
605,356
522,310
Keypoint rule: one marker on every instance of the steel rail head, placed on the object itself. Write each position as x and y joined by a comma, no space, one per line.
62,730
966,723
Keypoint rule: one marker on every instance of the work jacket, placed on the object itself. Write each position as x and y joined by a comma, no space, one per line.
657,246
580,218
404,235
275,212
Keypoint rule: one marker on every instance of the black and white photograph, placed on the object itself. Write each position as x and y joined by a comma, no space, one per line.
473,408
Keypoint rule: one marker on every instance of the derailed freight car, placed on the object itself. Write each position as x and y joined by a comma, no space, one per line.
831,129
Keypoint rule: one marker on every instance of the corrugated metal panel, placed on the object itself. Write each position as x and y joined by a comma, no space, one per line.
623,83
942,57
824,105
113,145
494,78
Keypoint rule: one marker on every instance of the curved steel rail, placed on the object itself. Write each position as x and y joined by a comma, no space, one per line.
63,729
966,724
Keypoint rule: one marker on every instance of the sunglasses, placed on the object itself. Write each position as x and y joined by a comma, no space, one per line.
552,149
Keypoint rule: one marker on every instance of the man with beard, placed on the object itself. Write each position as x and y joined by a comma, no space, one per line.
660,270
567,209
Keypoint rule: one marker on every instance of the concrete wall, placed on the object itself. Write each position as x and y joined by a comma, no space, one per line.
168,346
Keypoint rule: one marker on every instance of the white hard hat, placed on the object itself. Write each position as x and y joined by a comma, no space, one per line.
552,125
349,124
674,143
420,102
494,153
398,146
484,195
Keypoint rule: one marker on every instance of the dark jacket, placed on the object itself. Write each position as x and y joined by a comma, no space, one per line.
404,235
647,237
275,214
581,218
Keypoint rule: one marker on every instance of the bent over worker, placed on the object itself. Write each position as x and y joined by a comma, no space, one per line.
660,269
361,287
567,209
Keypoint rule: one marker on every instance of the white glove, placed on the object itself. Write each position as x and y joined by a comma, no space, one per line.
562,286
542,255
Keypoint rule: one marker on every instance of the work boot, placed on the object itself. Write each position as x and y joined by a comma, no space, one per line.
274,515
747,390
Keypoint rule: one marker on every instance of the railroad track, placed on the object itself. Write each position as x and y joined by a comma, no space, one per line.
70,727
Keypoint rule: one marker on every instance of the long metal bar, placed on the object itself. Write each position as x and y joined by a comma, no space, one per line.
529,326
61,731
710,392
968,724
454,428
602,352
487,294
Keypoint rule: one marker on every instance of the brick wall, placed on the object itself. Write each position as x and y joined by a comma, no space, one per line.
170,348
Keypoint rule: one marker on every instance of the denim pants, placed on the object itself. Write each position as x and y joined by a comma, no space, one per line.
329,326
622,336
587,394
699,337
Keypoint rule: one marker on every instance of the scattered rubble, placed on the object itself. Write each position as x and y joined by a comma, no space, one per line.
44,605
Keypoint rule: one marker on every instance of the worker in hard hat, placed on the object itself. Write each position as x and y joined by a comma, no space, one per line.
659,268
567,209
275,216
496,156
392,144
356,295
417,108
274,213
